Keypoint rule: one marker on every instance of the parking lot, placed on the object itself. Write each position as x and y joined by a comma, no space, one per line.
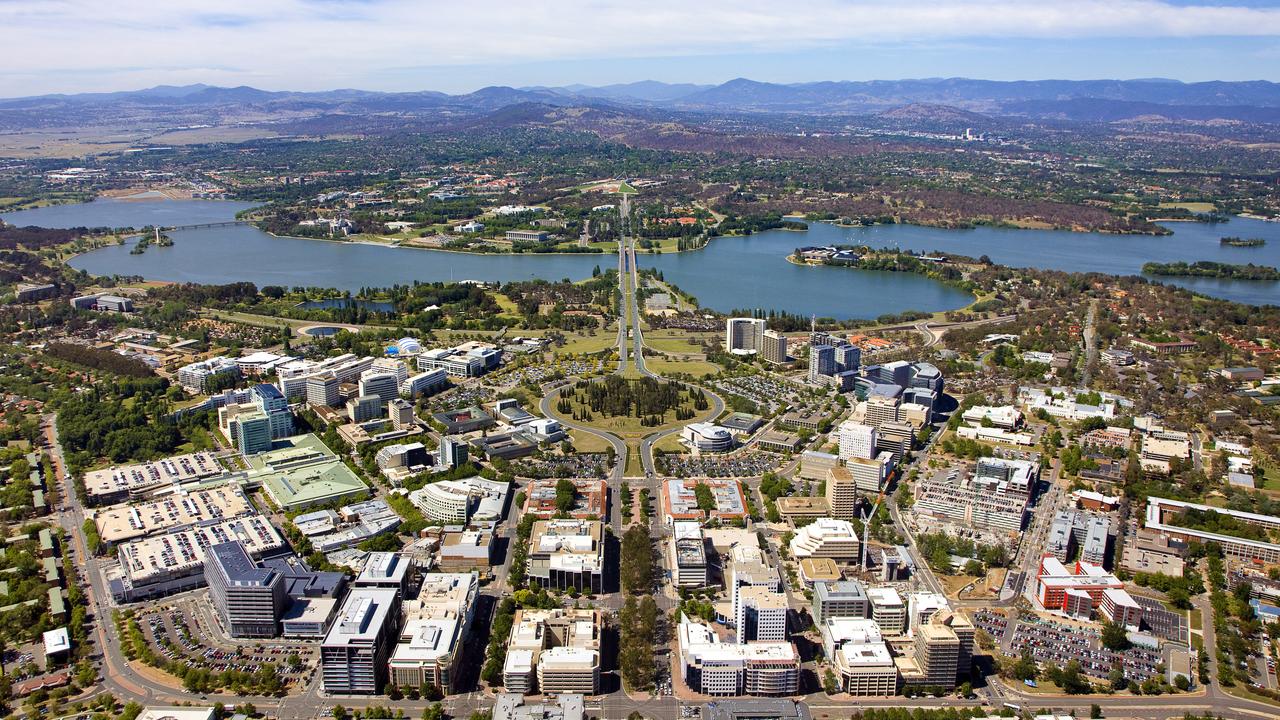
1161,622
177,636
764,390
744,465
1060,643
586,465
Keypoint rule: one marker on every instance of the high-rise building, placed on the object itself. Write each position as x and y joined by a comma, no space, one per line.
250,599
895,438
856,440
744,335
322,389
272,402
453,452
353,656
365,407
395,366
380,384
253,433
822,362
937,655
848,357
881,409
400,411
775,347
425,383
842,493
762,615
888,610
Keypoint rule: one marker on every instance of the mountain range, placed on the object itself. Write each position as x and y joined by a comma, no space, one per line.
1073,100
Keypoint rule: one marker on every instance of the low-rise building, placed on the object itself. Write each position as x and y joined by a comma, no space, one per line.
680,500
553,651
828,538
436,626
567,554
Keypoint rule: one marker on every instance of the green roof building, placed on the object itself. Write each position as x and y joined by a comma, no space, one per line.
303,473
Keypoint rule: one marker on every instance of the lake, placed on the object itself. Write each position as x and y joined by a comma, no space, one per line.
732,272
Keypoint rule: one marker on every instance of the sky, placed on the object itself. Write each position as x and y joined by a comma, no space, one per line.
71,46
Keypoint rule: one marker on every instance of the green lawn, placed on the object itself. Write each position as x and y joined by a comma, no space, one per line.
598,341
671,343
696,368
585,442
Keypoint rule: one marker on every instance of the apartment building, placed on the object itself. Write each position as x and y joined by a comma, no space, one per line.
744,335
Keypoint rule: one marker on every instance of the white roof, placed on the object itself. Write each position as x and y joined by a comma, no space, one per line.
56,641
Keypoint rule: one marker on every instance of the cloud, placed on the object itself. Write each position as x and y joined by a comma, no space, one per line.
53,45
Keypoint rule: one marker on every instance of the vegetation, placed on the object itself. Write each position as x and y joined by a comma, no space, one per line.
1206,268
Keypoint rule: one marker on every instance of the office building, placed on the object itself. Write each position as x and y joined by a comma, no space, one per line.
1160,511
848,357
407,455
744,336
937,656
856,440
761,614
775,347
748,570
829,538
400,412
250,599
888,610
687,554
1084,590
822,362
195,377
881,409
589,501
436,626
842,599
380,384
896,439
31,292
452,452
703,437
512,706
253,433
863,664
994,497
466,360
460,501
425,383
269,400
553,651
713,667
567,553
293,377
386,570
322,390
364,408
679,500
354,653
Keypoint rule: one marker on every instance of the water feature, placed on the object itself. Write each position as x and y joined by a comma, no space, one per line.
740,272
118,213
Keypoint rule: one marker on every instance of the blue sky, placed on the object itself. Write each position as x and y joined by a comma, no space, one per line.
90,45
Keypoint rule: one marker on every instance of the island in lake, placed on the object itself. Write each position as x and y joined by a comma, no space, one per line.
1242,242
1206,268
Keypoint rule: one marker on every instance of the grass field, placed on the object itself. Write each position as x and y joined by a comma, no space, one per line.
667,341
592,343
696,368
670,443
585,442
1195,207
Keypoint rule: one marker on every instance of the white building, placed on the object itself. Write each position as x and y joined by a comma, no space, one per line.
856,440
713,667
705,437
828,538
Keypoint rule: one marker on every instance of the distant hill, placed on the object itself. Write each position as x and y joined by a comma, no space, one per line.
940,100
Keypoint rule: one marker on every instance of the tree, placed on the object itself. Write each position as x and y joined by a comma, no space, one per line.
1025,667
1095,711
435,711
339,712
1114,637
829,682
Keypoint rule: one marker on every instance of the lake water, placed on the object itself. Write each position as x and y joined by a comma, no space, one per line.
111,213
738,272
